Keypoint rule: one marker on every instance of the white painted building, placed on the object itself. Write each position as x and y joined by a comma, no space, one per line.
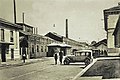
9,40
111,17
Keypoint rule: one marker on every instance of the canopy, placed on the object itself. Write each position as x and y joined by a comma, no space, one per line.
65,45
85,50
7,43
59,45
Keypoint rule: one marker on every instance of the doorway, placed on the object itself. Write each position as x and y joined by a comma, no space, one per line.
3,53
12,54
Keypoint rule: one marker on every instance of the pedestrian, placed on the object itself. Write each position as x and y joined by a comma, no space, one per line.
60,56
55,57
24,57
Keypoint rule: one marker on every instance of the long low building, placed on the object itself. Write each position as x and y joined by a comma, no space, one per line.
75,45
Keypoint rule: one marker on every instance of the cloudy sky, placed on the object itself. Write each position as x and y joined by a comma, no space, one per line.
85,17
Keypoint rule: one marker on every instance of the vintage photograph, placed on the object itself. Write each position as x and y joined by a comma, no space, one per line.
59,40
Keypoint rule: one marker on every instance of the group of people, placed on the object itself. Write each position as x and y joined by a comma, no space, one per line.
60,57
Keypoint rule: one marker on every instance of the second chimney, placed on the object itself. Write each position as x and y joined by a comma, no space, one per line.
66,28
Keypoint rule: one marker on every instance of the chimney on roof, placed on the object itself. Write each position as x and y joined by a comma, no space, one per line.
66,28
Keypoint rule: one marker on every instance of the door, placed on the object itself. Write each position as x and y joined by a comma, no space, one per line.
3,53
12,54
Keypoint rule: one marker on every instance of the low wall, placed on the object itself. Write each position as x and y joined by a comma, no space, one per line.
113,51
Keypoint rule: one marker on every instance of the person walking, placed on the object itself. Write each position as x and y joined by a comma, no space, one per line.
60,56
55,57
24,54
24,57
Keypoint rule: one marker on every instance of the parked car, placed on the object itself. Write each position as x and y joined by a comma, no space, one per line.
79,56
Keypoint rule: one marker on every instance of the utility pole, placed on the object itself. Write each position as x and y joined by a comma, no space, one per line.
14,11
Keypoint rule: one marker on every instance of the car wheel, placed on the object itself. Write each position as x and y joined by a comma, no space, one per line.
87,61
66,62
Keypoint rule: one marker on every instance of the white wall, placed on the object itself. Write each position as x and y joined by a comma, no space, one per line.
15,42
112,21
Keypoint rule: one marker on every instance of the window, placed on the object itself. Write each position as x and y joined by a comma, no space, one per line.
45,48
2,35
41,48
11,36
37,48
33,49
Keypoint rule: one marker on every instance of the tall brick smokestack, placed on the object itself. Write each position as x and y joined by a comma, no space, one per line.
66,28
14,11
23,17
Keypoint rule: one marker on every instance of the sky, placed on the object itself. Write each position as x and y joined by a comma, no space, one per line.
85,17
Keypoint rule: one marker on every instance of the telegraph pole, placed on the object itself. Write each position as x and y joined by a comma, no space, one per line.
14,11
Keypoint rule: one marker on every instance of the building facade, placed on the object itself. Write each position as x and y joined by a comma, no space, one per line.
101,47
111,17
9,40
38,45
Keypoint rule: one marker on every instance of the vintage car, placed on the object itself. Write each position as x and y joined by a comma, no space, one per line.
79,56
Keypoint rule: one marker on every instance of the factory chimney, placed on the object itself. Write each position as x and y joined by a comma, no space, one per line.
14,11
66,28
23,17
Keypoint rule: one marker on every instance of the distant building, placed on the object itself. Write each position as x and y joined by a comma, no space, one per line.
111,17
75,45
38,45
9,40
101,46
35,45
24,34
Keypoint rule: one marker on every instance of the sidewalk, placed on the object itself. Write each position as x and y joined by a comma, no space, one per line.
78,76
13,63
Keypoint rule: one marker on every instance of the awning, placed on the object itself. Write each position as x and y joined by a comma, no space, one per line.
7,43
65,45
59,45
54,45
25,33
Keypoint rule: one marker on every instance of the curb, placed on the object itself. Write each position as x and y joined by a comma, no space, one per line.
90,65
84,70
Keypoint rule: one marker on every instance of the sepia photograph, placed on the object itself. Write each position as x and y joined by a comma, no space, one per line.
59,40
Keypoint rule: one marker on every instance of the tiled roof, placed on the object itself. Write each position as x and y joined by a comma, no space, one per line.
56,34
104,41
113,8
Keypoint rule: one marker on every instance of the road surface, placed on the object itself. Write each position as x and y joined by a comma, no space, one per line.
42,70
